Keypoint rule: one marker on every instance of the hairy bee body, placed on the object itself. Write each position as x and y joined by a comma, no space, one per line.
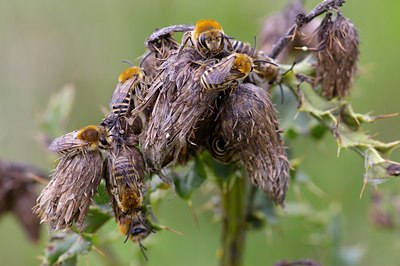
88,138
128,192
208,38
125,180
227,73
130,80
242,47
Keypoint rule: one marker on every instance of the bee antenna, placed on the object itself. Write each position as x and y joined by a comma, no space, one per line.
145,224
227,37
128,62
144,58
265,61
290,69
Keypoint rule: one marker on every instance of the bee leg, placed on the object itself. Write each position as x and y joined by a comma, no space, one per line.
143,249
129,231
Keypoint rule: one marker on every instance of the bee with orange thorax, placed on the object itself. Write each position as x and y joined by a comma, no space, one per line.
130,81
125,182
208,38
229,72
85,139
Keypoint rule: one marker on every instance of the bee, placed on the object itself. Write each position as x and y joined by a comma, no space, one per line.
126,181
88,138
264,66
130,80
227,73
207,37
134,227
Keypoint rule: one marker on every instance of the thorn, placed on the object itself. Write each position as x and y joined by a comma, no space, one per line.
363,188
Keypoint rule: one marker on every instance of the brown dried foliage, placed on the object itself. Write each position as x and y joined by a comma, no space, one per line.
337,61
248,126
66,199
18,194
179,105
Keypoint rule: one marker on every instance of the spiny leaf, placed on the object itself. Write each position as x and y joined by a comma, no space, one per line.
64,247
377,168
348,138
312,103
354,119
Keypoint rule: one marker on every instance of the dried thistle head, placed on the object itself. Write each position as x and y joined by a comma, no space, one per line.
18,194
66,199
337,60
179,105
247,130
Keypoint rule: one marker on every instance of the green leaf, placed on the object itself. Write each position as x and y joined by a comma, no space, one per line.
314,104
354,119
348,138
98,215
377,169
187,183
64,247
54,119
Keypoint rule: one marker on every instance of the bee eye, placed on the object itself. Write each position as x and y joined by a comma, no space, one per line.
202,40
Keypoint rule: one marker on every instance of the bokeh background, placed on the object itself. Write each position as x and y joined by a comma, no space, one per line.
45,45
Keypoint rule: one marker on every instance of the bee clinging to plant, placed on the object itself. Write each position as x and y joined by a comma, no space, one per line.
125,183
227,73
131,80
208,38
85,139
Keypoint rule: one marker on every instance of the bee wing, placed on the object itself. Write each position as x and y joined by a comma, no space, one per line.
218,73
67,143
122,90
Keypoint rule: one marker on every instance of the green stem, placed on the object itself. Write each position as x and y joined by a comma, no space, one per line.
234,204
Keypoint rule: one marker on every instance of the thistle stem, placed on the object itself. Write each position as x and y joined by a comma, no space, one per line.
234,202
302,20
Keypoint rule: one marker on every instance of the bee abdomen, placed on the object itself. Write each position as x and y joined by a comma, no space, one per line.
121,109
241,47
207,83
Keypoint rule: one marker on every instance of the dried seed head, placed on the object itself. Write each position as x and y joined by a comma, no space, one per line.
248,131
337,61
179,105
18,194
66,199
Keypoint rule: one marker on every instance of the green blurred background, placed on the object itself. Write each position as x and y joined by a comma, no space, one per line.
45,45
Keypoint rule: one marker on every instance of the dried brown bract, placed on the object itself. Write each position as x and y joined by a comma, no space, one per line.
66,199
337,60
18,194
180,103
247,130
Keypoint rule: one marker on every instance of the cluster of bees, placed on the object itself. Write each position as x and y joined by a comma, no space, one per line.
172,106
